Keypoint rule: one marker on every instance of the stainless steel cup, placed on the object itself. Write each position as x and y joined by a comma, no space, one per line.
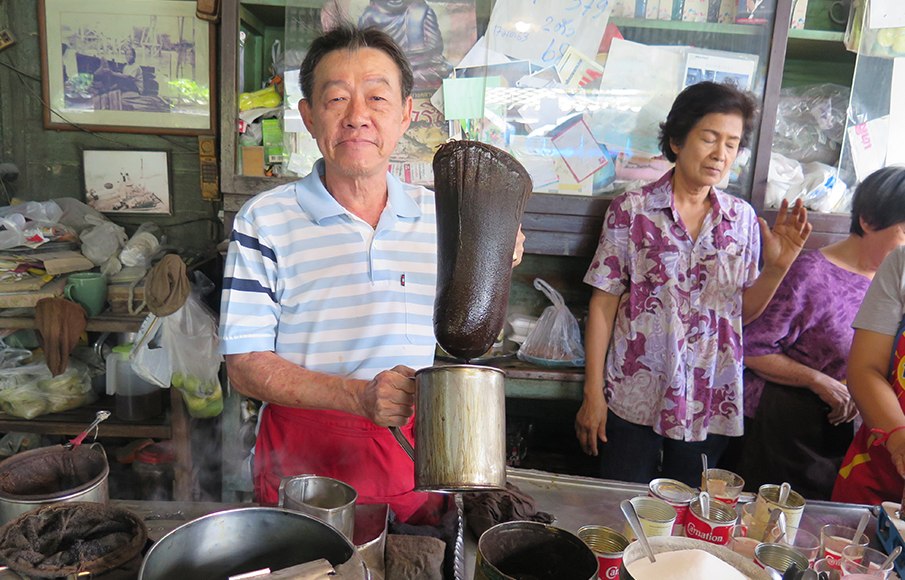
327,499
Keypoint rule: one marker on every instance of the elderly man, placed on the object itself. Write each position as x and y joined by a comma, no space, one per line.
329,286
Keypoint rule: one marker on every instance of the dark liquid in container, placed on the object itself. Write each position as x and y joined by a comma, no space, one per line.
138,407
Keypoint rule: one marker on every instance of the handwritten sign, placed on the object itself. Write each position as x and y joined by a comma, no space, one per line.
543,32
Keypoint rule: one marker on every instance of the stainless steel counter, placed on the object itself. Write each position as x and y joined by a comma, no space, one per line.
580,501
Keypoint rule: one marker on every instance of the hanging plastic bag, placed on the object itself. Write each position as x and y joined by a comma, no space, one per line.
556,339
190,337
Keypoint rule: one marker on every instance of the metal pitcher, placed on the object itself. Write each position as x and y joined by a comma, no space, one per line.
460,429
330,500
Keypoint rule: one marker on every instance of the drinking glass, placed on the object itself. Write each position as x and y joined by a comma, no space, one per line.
863,560
822,565
740,543
805,543
833,538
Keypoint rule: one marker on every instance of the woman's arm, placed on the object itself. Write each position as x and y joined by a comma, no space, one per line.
868,369
782,370
590,423
780,248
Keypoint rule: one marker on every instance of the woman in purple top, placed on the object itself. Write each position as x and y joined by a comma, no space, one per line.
796,352
675,277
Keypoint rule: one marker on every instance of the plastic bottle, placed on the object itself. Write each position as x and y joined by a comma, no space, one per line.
136,399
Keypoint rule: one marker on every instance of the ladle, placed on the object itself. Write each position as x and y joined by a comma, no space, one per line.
632,516
862,525
101,416
892,556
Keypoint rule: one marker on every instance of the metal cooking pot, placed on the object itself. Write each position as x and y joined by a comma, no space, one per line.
523,550
238,541
50,475
460,429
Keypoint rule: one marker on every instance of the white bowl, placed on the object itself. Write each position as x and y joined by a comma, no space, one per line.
661,544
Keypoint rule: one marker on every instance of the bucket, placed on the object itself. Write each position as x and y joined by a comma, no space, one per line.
515,550
50,475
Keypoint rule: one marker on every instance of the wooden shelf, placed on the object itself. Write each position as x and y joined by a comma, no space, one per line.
707,27
74,421
104,322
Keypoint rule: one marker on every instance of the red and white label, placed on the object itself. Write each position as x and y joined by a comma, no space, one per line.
701,530
609,567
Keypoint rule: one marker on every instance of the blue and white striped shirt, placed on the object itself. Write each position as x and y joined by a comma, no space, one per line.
315,284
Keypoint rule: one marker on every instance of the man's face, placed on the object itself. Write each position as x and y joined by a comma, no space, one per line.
356,112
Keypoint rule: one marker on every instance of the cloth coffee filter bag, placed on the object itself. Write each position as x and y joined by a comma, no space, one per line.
481,192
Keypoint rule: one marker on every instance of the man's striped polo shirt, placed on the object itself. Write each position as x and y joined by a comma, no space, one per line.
317,285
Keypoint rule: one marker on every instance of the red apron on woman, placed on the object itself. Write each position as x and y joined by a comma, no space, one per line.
344,447
867,475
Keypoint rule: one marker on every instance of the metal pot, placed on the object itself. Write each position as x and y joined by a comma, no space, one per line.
515,550
238,541
50,475
460,429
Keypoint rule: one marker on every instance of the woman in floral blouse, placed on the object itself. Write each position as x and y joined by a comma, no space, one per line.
675,278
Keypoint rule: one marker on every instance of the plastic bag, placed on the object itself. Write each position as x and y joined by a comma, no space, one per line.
810,122
103,241
821,190
783,174
140,248
556,339
185,355
30,390
30,223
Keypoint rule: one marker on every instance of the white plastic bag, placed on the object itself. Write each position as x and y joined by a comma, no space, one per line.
783,174
24,223
556,339
103,241
141,246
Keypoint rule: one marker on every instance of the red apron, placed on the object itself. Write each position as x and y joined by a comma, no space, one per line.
344,447
867,475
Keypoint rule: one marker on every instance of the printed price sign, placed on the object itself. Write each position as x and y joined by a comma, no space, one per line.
543,32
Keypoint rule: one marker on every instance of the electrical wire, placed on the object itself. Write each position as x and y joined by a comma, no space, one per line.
12,66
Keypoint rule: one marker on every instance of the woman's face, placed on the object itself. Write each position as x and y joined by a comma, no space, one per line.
709,149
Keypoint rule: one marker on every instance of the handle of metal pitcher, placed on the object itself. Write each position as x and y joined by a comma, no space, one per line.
406,446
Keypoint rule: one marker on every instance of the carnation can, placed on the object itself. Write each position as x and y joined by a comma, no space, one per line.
608,545
714,529
676,494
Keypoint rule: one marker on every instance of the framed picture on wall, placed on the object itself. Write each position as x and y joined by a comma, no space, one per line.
136,66
127,182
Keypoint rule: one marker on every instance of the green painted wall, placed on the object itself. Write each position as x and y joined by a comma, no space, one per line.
49,161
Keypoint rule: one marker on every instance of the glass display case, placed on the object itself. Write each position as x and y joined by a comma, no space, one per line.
575,90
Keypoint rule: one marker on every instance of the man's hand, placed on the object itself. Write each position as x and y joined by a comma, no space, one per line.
388,400
519,248
590,423
783,244
836,395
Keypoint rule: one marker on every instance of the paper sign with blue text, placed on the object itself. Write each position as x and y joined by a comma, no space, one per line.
542,31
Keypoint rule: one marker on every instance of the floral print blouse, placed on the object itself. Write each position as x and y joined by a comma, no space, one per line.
675,360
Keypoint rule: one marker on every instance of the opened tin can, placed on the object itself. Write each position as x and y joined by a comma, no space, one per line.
608,545
676,494
715,528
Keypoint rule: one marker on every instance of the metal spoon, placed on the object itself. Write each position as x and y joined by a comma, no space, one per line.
892,556
862,525
775,516
704,479
784,490
101,416
632,516
705,505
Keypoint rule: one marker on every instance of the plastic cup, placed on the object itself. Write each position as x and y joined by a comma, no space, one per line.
740,543
863,560
722,485
822,565
805,543
833,539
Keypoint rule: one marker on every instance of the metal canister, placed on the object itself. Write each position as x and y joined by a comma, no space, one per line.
608,545
676,494
715,528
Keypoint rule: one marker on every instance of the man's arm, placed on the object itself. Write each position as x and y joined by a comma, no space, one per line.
590,423
386,400
782,370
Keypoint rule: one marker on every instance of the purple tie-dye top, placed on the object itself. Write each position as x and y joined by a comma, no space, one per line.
809,320
675,359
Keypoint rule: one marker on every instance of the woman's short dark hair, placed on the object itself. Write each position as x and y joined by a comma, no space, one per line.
879,200
349,37
696,102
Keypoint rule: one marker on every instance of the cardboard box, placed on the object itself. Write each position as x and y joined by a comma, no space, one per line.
253,161
273,141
